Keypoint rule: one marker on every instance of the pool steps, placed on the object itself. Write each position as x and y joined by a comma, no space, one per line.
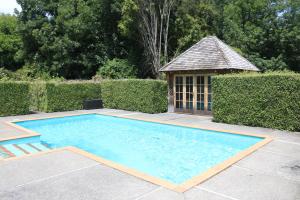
15,150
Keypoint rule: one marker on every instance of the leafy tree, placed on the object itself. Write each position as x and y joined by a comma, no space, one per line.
152,18
264,30
72,38
195,20
117,69
10,42
63,36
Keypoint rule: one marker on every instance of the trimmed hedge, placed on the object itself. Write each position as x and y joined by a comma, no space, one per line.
269,100
14,98
63,96
149,96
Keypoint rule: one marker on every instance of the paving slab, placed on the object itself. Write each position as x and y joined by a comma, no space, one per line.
248,185
21,171
92,183
200,194
284,148
286,136
273,164
162,194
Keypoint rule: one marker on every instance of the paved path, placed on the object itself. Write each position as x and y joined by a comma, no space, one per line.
270,173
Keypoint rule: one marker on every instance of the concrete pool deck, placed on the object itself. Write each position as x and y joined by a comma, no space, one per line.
272,172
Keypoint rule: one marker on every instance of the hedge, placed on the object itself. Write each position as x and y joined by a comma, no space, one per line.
149,96
267,100
63,96
14,98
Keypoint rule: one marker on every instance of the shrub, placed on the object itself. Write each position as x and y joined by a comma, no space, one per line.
117,69
14,98
63,96
268,100
149,96
5,74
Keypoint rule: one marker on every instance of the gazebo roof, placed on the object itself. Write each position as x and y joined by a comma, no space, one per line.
210,53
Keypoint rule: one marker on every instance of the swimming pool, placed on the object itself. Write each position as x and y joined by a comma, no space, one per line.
171,153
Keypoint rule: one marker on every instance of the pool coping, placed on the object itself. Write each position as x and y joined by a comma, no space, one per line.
175,187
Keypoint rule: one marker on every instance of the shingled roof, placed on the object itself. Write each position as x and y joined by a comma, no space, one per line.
209,53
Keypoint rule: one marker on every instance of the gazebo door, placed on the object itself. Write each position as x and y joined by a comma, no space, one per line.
192,94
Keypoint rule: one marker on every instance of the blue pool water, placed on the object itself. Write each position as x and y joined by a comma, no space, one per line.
172,153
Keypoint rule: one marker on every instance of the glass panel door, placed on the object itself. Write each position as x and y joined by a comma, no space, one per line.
189,92
179,92
193,93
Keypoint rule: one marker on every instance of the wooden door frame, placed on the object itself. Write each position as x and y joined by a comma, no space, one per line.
194,111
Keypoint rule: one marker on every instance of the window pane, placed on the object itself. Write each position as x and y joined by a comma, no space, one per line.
202,97
202,106
202,79
209,88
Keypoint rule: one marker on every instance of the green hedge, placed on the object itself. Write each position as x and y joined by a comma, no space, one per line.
268,100
149,96
63,96
14,98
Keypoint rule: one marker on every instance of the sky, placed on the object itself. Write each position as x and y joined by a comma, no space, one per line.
8,6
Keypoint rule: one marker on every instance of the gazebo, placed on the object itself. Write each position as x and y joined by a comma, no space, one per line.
189,74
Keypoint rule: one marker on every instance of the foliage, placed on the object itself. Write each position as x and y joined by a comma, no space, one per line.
152,18
26,73
268,100
266,31
117,69
14,98
10,42
71,39
5,74
63,96
149,96
195,21
67,38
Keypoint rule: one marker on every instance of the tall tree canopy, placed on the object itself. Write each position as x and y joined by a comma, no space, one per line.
266,31
73,38
10,42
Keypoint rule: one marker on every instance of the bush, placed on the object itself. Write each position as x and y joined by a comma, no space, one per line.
27,73
268,100
14,98
63,96
149,96
117,69
5,74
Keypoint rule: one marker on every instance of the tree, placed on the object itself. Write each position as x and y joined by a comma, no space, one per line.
153,27
195,20
117,69
10,43
69,38
267,32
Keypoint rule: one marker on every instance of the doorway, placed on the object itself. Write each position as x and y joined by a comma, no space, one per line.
193,94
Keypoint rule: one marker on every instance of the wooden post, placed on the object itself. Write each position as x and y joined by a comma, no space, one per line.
184,93
205,93
194,93
171,91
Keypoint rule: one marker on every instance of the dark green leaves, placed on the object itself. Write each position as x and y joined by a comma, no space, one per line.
14,98
147,96
267,100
